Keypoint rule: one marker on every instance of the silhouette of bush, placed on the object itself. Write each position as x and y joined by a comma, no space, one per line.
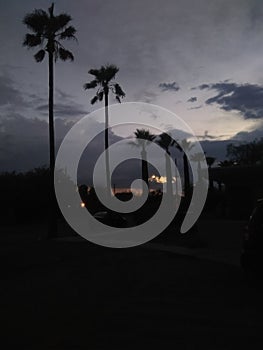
24,196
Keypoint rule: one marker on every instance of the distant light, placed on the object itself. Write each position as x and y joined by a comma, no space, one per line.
82,205
158,179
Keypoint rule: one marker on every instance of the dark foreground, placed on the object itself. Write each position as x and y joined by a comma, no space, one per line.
75,295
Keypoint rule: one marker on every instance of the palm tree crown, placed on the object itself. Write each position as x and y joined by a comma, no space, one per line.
47,31
102,81
165,141
143,138
210,161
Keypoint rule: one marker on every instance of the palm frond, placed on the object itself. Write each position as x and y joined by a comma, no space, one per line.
165,141
118,91
94,100
100,95
108,72
37,21
68,33
186,145
65,55
32,40
210,161
91,85
94,72
102,76
51,10
39,56
105,74
62,20
144,134
176,144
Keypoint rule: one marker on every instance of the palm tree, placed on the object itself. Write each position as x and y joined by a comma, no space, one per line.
198,157
186,146
47,30
210,161
103,78
143,139
166,141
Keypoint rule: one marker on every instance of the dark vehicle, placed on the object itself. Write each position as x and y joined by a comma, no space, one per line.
252,249
112,219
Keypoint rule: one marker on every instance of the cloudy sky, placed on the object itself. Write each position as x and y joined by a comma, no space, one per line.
201,59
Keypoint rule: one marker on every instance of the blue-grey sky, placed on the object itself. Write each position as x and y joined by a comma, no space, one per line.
201,59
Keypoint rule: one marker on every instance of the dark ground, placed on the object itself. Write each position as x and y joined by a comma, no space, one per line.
75,295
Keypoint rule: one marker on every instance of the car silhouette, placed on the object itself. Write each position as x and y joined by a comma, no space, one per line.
111,218
251,256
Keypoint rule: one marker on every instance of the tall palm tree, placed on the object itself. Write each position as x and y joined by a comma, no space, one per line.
143,139
47,32
166,141
104,82
186,146
198,157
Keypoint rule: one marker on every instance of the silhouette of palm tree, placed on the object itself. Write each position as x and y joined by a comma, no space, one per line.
198,157
143,139
47,30
185,146
210,161
102,81
166,141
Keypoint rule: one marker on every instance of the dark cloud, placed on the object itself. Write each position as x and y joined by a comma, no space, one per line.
176,133
64,110
63,95
149,96
169,86
9,94
217,148
24,141
197,107
207,136
12,100
244,98
192,99
64,106
35,99
248,136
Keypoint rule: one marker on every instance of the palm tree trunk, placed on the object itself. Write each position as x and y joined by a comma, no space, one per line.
176,183
145,173
169,185
211,182
199,173
186,176
52,230
106,135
